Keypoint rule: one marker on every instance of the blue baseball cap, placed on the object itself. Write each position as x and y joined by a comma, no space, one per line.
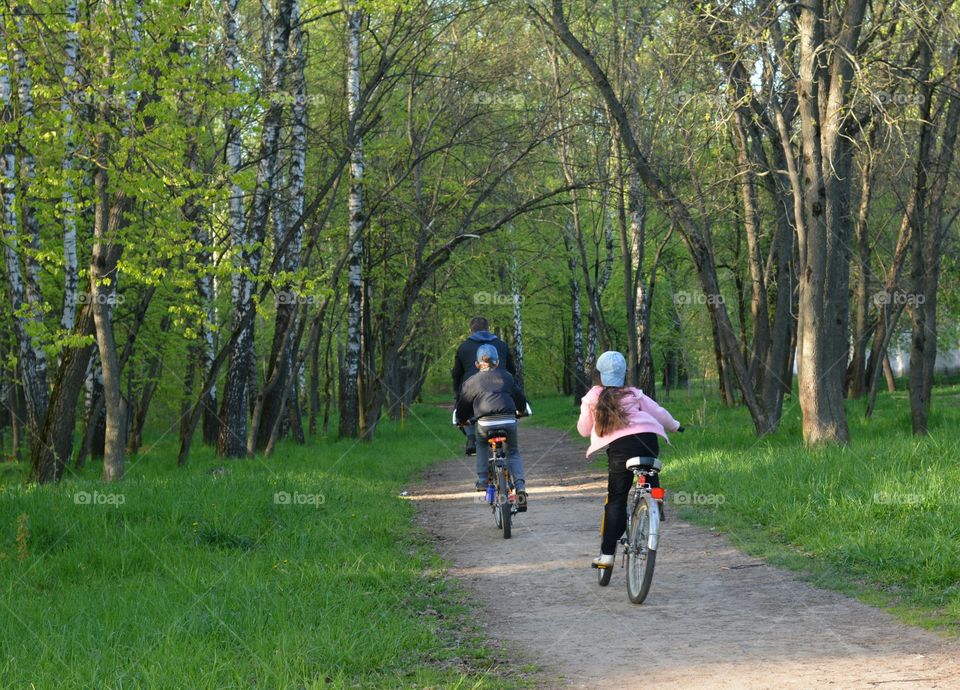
612,367
488,352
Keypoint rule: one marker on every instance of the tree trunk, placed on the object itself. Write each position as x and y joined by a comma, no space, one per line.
241,373
577,365
288,206
919,402
24,285
517,323
51,455
856,379
71,274
154,369
760,346
350,373
103,290
110,218
888,375
626,216
824,263
929,231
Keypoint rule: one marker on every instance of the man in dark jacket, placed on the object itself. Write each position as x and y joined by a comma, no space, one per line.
492,391
464,364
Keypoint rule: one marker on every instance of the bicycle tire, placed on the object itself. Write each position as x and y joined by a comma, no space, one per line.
640,559
503,501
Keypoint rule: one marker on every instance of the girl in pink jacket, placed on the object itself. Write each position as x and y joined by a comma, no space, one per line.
625,422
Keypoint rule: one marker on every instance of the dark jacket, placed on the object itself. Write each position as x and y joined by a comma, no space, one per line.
489,392
464,366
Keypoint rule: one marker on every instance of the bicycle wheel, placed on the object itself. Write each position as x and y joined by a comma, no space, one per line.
640,559
503,503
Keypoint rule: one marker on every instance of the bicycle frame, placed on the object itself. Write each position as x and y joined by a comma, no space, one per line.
498,460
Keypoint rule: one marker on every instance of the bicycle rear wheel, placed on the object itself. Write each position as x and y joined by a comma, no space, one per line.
503,503
640,559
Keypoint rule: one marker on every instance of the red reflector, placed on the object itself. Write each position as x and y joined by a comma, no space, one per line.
657,493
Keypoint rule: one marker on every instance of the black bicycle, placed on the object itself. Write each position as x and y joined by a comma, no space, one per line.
501,493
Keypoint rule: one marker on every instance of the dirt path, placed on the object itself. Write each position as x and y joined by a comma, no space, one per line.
715,618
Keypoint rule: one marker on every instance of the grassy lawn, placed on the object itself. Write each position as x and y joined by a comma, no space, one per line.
299,571
879,520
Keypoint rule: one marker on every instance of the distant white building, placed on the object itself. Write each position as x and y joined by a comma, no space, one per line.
948,362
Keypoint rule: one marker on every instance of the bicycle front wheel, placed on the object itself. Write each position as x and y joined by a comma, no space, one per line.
503,503
640,559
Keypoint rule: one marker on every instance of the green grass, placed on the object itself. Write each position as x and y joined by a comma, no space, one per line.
198,578
879,520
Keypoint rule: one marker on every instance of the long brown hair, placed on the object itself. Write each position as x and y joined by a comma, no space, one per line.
609,415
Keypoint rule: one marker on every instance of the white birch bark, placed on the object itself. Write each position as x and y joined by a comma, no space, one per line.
232,440
517,322
71,273
579,384
350,397
31,224
23,283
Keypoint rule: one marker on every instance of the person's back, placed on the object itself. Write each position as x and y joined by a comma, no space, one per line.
490,392
464,364
627,423
493,391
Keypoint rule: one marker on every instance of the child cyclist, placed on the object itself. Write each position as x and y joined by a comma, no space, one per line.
625,422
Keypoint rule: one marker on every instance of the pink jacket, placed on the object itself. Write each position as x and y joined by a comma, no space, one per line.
645,416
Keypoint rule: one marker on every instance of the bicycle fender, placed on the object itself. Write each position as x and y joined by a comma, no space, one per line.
653,538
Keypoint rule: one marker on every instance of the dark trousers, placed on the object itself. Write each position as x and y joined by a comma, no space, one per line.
619,482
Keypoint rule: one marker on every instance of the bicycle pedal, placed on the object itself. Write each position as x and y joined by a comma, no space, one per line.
598,566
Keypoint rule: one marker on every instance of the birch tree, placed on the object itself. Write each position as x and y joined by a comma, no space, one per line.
241,373
22,267
71,277
349,377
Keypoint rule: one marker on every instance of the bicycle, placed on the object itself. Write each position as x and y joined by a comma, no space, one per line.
501,494
640,540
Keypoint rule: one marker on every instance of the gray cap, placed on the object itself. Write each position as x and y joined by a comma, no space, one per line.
488,351
612,367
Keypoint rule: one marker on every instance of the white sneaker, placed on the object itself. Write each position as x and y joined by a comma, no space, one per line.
603,561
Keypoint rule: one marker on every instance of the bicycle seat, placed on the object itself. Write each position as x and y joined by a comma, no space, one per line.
496,420
640,461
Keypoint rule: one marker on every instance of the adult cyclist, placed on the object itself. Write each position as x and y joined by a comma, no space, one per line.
464,365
